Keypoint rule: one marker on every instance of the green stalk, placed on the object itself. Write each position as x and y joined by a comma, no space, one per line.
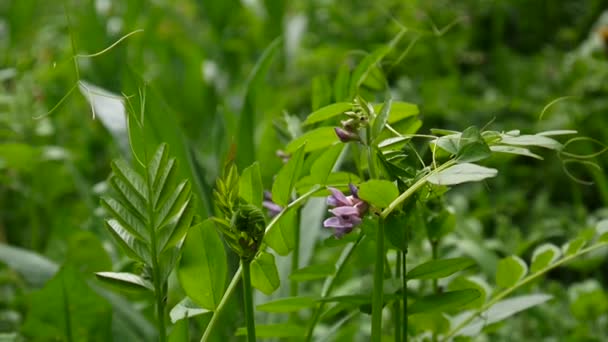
295,259
378,291
248,300
404,294
397,303
237,275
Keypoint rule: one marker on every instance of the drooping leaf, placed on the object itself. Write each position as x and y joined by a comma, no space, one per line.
264,274
462,173
443,302
289,304
379,193
437,269
186,308
203,267
35,269
287,177
544,256
531,140
124,280
510,270
313,272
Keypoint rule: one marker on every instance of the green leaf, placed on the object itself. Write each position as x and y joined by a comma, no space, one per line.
338,179
471,146
443,302
328,112
125,281
251,188
379,193
128,219
282,238
515,150
503,310
66,309
573,246
381,119
448,143
264,274
474,282
315,139
35,269
531,140
202,269
435,322
281,330
186,308
287,178
134,248
399,110
544,256
510,270
396,229
436,269
462,173
289,304
365,66
322,167
313,272
180,332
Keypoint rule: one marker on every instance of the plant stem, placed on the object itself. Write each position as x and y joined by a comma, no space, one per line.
397,303
412,189
248,300
237,275
329,284
295,259
404,293
160,312
378,291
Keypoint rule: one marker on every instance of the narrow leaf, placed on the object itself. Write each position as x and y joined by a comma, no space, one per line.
381,119
531,140
250,185
132,246
436,269
462,173
443,301
399,110
327,112
289,304
313,272
515,150
128,219
287,178
124,280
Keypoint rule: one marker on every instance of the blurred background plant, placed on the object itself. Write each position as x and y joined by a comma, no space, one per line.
219,73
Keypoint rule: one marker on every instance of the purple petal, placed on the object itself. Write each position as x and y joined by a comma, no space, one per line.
345,136
353,190
337,198
267,195
273,208
336,222
345,211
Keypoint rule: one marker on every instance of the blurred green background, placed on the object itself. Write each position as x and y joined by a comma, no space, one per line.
219,73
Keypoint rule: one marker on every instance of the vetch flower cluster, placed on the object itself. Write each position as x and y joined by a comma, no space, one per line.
348,211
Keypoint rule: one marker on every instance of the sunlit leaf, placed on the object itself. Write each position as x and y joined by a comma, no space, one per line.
510,270
379,193
124,280
544,256
315,139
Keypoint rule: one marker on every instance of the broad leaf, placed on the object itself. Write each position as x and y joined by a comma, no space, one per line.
282,238
264,274
35,269
314,139
544,256
202,269
443,302
510,270
471,146
379,193
462,173
322,167
531,140
436,269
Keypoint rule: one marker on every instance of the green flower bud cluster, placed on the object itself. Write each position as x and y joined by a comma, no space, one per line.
242,224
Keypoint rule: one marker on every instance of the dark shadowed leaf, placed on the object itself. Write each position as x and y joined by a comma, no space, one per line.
436,269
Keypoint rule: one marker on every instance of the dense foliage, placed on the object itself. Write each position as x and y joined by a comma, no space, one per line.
306,170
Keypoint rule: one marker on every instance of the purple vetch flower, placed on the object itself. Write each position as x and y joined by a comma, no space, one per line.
345,135
273,208
348,211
